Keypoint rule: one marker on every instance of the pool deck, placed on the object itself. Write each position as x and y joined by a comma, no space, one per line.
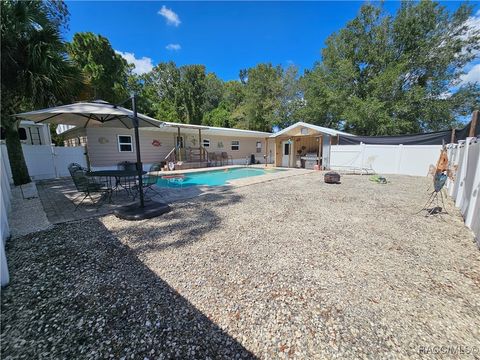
59,196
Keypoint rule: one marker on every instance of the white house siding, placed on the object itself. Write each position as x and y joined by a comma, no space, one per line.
247,146
103,150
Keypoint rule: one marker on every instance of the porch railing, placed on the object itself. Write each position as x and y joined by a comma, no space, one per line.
192,154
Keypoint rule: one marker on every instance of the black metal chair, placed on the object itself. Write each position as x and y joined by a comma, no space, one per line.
127,165
150,179
87,186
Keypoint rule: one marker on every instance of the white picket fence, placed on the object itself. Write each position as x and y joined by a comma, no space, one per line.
465,190
5,195
46,161
385,159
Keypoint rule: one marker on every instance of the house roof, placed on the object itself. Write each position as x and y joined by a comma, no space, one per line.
295,130
213,130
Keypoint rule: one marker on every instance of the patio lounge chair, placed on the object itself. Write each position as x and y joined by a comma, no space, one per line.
87,186
226,158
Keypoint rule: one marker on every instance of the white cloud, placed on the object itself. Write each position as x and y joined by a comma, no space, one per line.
142,65
171,17
472,76
173,47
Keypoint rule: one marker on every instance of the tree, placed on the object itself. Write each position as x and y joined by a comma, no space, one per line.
105,71
213,92
192,89
233,94
291,101
35,69
159,92
219,116
263,89
383,75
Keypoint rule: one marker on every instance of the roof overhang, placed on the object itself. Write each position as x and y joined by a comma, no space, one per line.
306,129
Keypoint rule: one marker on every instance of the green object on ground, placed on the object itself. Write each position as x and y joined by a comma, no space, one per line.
379,179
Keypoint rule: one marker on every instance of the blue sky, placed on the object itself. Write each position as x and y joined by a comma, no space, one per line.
224,36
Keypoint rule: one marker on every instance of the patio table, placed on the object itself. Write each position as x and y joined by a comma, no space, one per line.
128,175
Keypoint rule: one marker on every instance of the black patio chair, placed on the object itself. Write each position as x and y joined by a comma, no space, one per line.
127,183
150,179
87,186
74,166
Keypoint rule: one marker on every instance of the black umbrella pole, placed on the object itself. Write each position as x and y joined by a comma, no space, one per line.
137,148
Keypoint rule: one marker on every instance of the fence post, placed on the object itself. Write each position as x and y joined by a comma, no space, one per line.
474,201
399,159
462,176
473,124
364,146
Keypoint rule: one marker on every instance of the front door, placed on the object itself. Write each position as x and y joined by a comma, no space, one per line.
286,148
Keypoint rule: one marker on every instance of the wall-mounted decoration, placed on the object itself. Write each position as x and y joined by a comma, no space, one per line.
220,145
304,131
156,143
103,140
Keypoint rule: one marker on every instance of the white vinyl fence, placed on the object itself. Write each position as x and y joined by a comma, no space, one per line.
46,161
5,194
385,159
465,190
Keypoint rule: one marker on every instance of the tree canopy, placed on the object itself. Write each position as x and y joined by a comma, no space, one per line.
385,74
105,71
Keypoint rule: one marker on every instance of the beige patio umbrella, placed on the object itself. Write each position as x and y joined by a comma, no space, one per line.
100,113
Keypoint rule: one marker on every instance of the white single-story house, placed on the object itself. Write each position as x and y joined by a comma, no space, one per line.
188,146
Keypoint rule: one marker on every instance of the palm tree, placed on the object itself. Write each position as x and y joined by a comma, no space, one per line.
35,69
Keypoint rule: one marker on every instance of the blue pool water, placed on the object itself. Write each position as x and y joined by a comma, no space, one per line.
212,177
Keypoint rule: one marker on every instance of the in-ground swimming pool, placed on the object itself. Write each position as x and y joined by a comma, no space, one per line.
211,177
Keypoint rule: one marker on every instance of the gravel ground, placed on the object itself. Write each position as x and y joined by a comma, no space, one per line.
291,268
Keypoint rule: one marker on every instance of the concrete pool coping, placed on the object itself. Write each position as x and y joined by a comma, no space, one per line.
169,195
245,181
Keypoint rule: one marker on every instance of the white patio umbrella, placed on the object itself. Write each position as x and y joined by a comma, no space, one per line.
100,113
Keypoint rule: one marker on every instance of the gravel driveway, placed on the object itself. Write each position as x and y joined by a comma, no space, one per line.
291,268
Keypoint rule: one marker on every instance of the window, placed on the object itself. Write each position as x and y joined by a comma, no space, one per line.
259,146
286,148
125,143
235,145
22,133
206,143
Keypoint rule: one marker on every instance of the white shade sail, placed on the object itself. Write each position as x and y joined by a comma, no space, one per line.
90,114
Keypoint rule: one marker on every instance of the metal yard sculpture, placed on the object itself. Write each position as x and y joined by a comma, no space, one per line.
440,176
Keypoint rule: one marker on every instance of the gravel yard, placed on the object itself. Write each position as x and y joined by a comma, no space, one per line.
290,268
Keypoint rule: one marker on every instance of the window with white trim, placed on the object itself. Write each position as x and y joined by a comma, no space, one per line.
206,143
259,146
235,145
125,143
